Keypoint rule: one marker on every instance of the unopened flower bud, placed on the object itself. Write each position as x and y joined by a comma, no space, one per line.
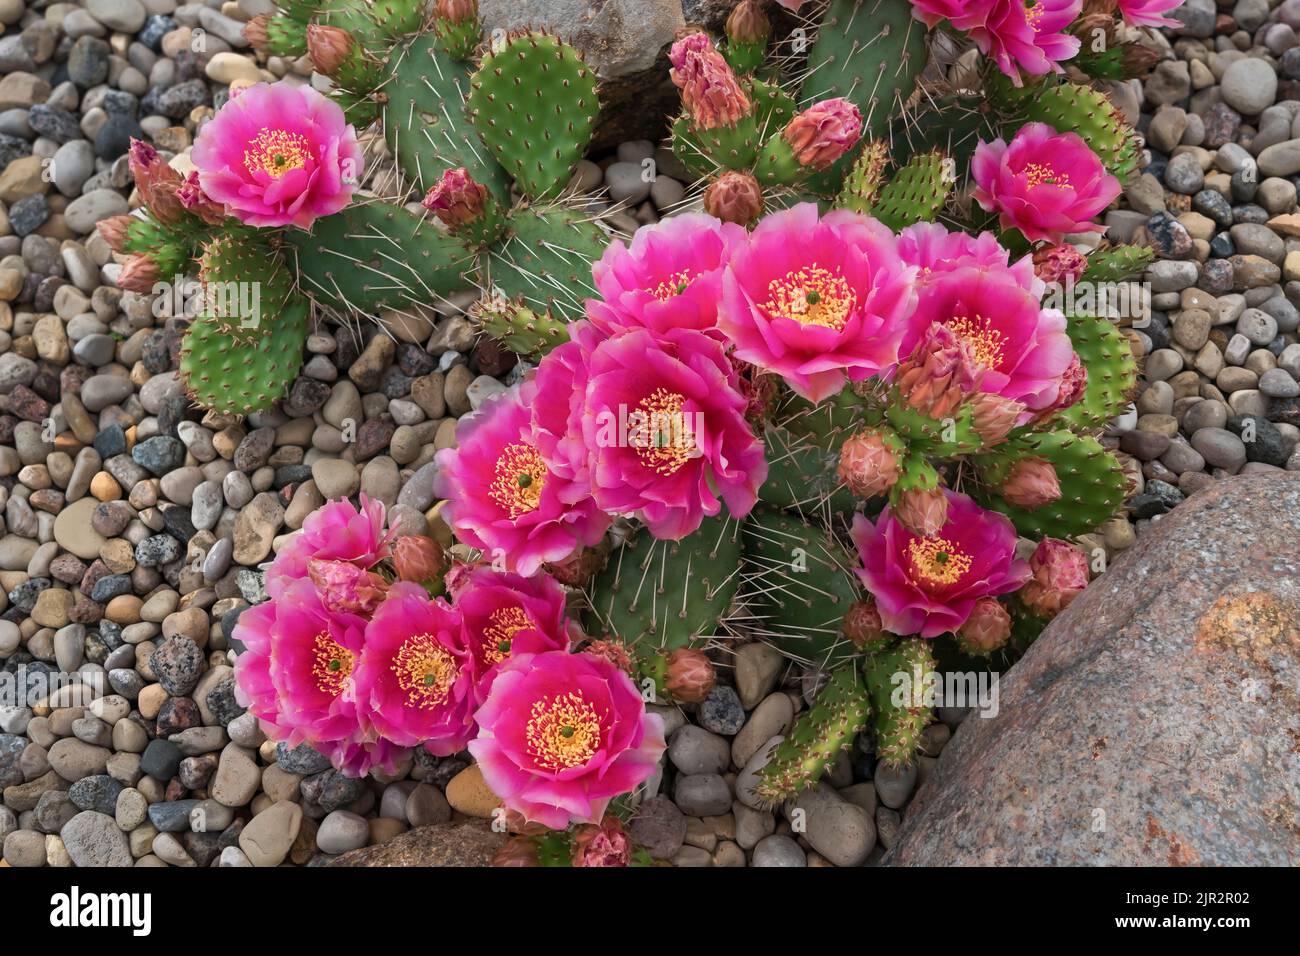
1060,573
748,23
1059,264
734,197
690,675
457,199
824,132
255,33
520,851
418,559
139,274
329,47
940,374
922,511
863,627
869,462
603,845
987,628
711,93
457,11
580,567
113,231
615,652
1031,483
993,416
151,173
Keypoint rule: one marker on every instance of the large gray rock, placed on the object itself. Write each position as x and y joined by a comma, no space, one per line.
1154,722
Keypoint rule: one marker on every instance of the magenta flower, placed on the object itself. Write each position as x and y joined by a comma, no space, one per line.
930,585
279,155
669,278
561,734
504,614
817,300
356,757
1046,184
557,387
254,688
336,531
1023,348
344,588
664,422
504,499
1147,13
934,250
313,656
416,674
1017,34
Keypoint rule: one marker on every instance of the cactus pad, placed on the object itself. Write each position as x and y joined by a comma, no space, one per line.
802,477
545,261
898,728
530,335
1118,263
706,151
1112,372
1072,108
916,192
864,179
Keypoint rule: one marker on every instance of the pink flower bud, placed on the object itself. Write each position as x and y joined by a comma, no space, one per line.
255,33
139,274
345,588
457,199
734,197
862,625
994,416
869,462
196,201
940,374
1059,264
113,231
151,173
580,567
615,652
418,558
457,11
329,47
922,511
1031,483
748,23
690,675
165,204
987,628
1060,573
710,91
824,132
603,845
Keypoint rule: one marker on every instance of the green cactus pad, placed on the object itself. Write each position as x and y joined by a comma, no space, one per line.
1093,484
952,125
399,17
458,40
952,436
545,260
829,421
842,709
534,103
1073,108
802,477
744,57
375,255
916,192
898,728
667,594
1112,372
425,122
286,37
1118,263
798,585
706,151
354,16
226,373
864,178
238,270
530,335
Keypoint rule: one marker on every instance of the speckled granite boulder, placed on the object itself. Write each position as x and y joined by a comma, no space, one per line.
1155,721
463,844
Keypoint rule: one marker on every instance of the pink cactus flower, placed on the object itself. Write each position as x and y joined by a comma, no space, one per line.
357,757
254,688
664,421
502,496
1074,385
279,155
817,300
1017,34
196,201
1060,573
562,734
1023,348
1147,13
336,531
824,132
934,250
1059,264
504,614
345,588
1045,183
557,387
930,585
669,278
416,675
456,199
711,94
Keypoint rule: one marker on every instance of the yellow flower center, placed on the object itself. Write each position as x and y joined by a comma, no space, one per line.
938,560
1033,13
276,151
668,441
985,341
674,285
425,671
812,296
331,665
563,731
520,476
1042,174
503,624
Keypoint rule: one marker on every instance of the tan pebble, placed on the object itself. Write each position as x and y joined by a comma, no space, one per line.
118,556
52,607
105,487
150,701
383,829
468,793
439,530
123,609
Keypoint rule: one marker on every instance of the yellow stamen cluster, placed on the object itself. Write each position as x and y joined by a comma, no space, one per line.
812,296
563,731
674,285
985,341
938,560
331,665
1033,13
425,671
1042,174
503,624
520,476
670,439
276,151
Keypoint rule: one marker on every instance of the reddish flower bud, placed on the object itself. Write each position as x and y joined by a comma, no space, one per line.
995,416
940,374
1059,264
1031,483
603,845
418,559
255,33
196,201
869,462
113,231
580,567
711,93
520,851
748,23
457,577
734,197
922,511
863,627
165,204
139,274
690,675
615,652
824,132
150,170
987,628
457,199
1060,574
457,11
1074,383
329,47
